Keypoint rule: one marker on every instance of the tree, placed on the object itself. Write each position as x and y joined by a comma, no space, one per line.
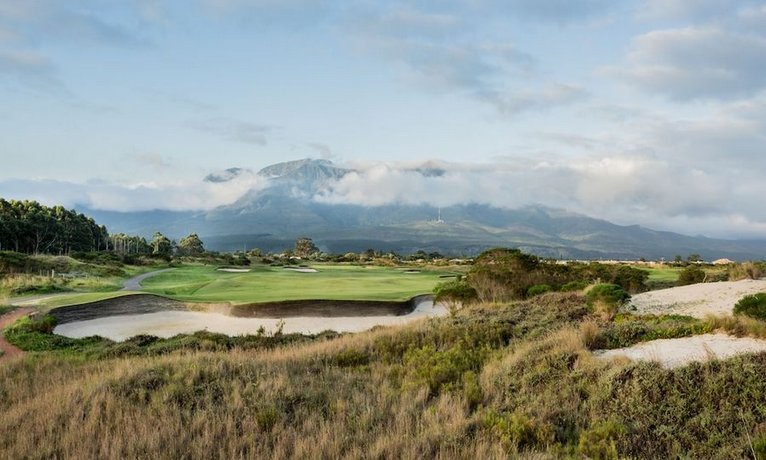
694,258
29,227
305,247
161,245
191,245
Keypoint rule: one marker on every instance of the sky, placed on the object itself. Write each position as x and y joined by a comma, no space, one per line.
649,112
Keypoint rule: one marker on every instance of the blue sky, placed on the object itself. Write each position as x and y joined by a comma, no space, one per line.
645,111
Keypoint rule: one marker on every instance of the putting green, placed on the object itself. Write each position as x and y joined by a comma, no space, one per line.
269,284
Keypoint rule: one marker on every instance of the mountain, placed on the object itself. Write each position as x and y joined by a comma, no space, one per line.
271,218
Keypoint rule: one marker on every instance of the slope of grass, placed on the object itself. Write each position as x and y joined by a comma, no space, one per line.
493,381
265,284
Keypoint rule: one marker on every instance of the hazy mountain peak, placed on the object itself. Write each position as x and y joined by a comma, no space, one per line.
306,173
226,175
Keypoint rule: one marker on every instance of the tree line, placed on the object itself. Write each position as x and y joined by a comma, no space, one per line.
31,228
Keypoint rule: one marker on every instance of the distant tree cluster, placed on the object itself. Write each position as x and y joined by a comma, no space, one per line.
31,228
129,244
504,274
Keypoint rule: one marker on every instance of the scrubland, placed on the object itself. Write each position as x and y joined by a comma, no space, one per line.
511,379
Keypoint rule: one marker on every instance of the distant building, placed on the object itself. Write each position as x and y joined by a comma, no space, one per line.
722,262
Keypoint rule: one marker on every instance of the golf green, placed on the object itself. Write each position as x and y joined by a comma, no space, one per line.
269,284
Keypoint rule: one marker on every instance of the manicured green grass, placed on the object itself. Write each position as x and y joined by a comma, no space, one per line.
267,284
663,274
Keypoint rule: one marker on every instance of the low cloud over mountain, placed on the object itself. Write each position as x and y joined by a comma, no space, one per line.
628,189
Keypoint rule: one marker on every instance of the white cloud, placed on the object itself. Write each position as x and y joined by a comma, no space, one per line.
626,188
696,63
234,130
172,195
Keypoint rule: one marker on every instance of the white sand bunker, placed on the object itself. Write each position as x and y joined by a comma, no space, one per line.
301,270
234,270
672,353
170,323
696,300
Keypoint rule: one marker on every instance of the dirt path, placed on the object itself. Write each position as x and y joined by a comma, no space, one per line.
10,351
130,285
134,284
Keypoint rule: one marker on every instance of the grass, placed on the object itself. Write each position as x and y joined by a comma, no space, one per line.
511,380
492,381
662,277
59,300
267,284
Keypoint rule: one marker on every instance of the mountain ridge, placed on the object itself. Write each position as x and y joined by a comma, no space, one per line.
272,217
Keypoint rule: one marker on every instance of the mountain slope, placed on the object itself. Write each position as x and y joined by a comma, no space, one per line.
273,217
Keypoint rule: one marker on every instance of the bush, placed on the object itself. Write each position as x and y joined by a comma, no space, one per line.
442,370
753,306
574,286
600,440
606,299
747,270
538,289
691,275
455,293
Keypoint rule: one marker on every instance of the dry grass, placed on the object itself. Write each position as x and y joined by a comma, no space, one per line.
495,381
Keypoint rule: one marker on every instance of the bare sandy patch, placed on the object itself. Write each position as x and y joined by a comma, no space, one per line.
671,353
234,270
301,270
698,300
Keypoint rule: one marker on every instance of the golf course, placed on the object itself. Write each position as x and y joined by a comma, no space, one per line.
270,284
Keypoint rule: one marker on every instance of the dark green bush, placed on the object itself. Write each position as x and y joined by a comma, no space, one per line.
574,286
753,306
691,275
610,294
455,291
538,289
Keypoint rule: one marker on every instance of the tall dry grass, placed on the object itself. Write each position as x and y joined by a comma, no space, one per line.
495,381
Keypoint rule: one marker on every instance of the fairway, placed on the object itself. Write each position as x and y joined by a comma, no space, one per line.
270,284
663,274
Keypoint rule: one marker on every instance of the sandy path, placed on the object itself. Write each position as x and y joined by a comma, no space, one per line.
134,284
130,285
696,300
10,351
672,353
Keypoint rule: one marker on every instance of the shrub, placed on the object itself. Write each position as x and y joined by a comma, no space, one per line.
753,306
455,293
747,270
600,440
574,286
538,289
516,431
606,299
442,370
691,275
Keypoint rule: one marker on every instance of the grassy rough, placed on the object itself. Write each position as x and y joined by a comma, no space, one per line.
492,381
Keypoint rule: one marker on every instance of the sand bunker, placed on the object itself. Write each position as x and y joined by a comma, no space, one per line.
234,270
301,270
170,323
672,353
696,300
